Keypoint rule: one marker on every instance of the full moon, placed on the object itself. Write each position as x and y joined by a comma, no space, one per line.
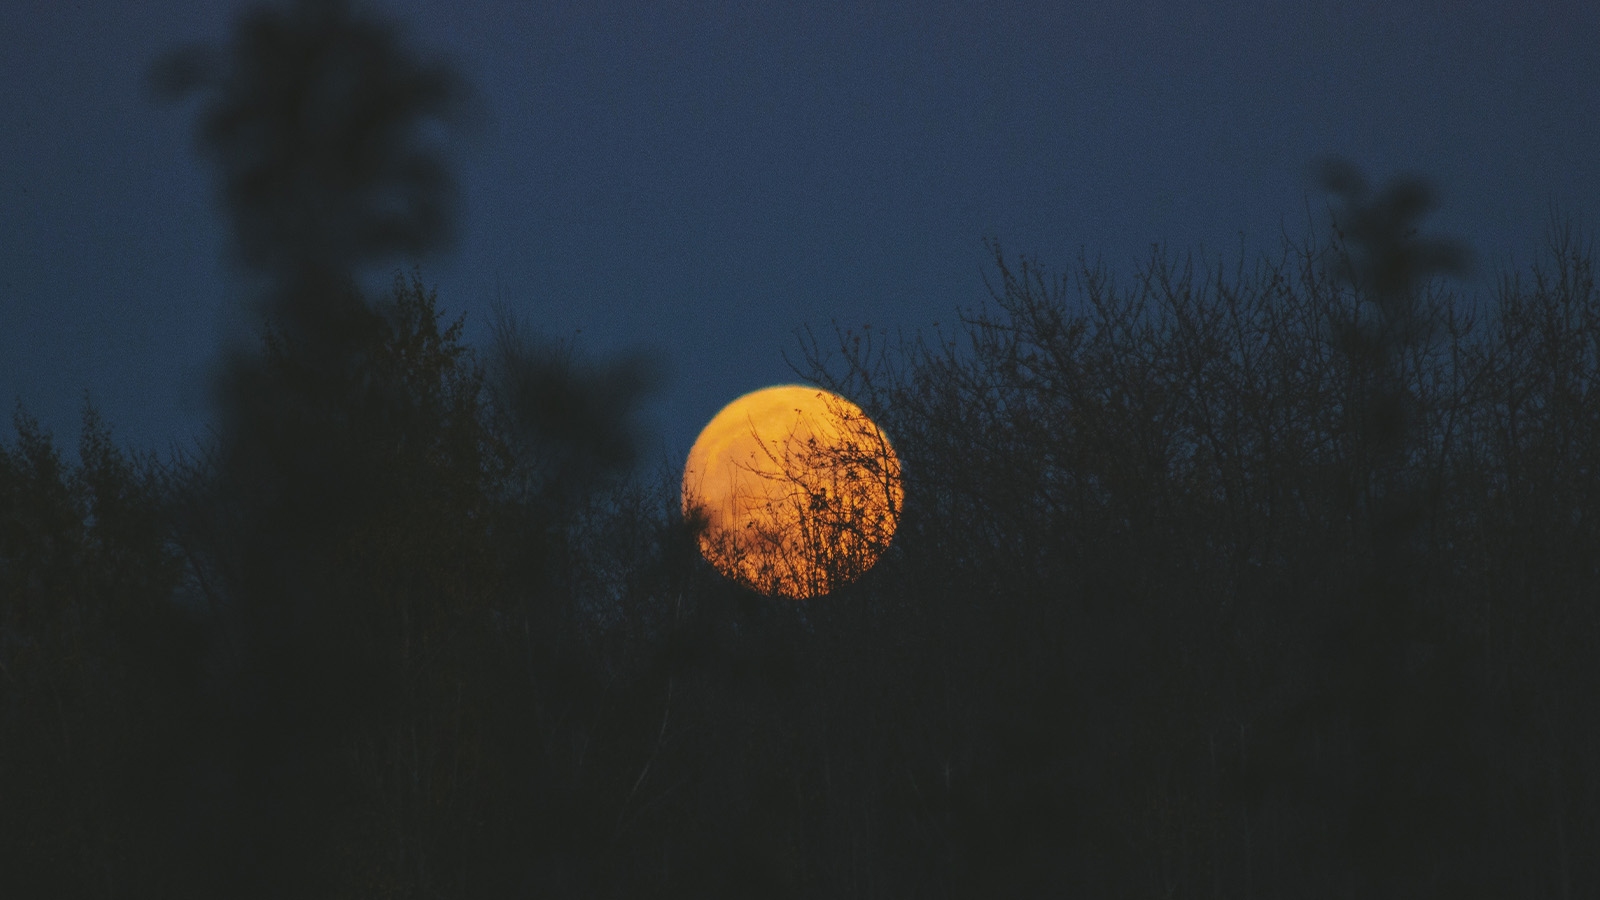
798,491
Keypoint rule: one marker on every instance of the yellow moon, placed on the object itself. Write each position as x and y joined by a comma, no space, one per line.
797,490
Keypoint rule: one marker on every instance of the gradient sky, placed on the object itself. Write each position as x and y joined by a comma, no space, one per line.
703,179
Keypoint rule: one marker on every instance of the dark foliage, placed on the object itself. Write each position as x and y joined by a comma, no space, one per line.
1224,562
1170,613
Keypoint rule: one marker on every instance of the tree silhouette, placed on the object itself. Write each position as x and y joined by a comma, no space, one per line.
1387,265
316,121
1237,544
366,548
96,667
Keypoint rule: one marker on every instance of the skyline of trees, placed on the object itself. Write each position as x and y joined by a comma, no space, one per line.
1137,632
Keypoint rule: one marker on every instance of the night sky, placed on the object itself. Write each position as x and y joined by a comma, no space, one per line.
700,180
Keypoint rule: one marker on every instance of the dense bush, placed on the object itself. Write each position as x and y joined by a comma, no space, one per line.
1162,531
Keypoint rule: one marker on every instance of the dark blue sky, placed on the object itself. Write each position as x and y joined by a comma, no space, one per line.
702,179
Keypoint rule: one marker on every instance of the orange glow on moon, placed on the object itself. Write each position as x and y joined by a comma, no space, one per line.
799,490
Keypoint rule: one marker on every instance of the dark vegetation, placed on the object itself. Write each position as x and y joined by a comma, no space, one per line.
1271,582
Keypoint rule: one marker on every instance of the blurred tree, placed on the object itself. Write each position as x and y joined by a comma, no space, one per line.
343,512
317,121
1376,680
362,522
